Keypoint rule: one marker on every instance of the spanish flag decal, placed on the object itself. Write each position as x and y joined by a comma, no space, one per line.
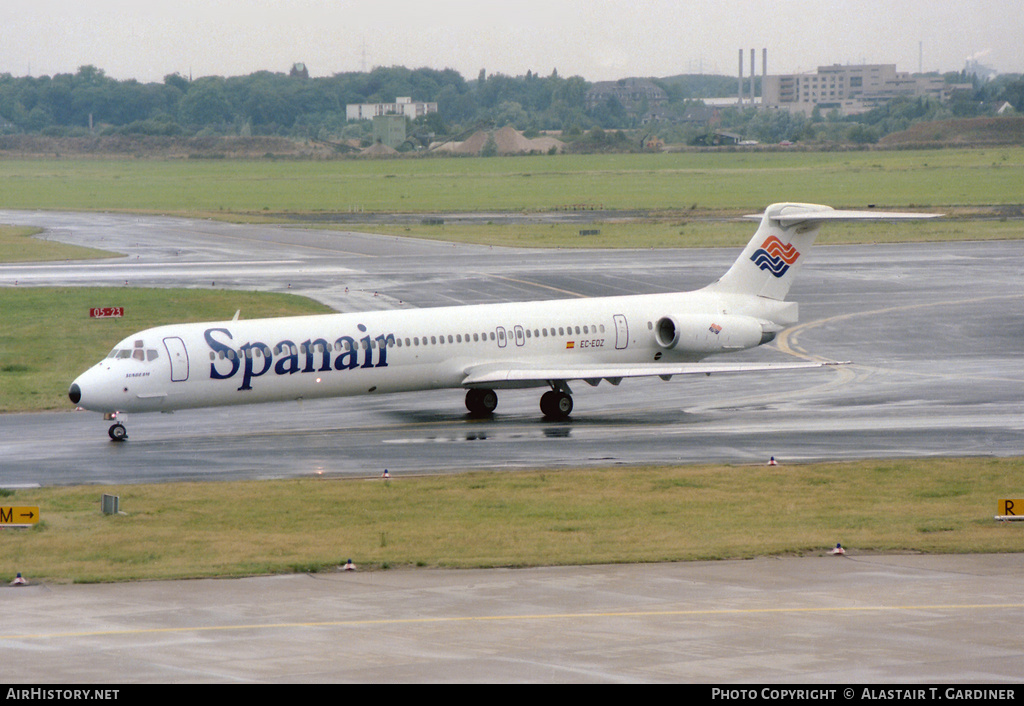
570,344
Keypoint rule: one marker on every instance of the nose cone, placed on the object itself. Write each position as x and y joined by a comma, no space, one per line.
94,390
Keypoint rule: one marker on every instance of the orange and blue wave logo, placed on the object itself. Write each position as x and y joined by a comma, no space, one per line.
775,256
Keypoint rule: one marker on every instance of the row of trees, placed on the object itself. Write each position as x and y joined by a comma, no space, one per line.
266,103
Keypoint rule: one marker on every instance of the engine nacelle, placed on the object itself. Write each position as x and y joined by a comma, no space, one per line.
704,334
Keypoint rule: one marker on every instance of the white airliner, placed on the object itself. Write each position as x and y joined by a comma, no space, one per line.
479,348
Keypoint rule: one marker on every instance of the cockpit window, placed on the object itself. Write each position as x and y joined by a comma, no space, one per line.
146,355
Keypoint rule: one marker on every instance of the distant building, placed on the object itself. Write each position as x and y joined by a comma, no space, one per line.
389,130
639,96
848,89
402,106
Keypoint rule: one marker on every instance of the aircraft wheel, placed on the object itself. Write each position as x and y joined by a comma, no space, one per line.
556,404
118,432
481,403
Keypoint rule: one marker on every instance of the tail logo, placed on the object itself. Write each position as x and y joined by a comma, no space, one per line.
775,256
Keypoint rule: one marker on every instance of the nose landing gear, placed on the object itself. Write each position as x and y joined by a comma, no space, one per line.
117,431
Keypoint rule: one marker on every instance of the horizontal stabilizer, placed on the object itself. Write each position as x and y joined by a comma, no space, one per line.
793,215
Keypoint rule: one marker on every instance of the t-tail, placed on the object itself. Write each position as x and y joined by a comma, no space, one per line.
772,258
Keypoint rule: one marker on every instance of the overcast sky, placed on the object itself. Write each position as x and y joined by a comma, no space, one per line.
597,39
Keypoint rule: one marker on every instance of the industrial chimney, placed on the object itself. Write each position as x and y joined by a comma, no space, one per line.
739,91
752,74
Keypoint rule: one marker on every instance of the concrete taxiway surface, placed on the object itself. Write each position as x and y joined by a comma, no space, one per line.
935,333
826,620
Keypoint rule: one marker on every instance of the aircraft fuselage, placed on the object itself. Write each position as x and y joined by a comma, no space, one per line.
333,355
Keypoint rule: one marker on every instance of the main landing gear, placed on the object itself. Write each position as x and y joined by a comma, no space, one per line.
555,404
481,403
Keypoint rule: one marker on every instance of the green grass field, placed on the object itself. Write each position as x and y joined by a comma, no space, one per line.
522,518
731,181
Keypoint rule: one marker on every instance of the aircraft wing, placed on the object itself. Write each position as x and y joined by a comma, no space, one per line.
498,375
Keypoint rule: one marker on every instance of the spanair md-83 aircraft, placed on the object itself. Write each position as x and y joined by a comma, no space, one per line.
478,348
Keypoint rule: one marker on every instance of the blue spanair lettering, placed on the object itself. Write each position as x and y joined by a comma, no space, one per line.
221,351
312,348
367,346
382,344
287,364
256,359
349,356
252,352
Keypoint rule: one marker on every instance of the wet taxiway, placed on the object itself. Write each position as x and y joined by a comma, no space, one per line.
935,333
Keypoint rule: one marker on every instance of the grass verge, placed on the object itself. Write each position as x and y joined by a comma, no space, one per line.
488,519
47,336
683,233
19,244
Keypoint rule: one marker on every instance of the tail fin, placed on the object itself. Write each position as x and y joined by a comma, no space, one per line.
769,263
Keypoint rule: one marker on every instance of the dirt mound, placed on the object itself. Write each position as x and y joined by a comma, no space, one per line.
962,133
507,140
147,146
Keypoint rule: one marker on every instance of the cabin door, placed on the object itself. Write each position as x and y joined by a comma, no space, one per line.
621,332
179,358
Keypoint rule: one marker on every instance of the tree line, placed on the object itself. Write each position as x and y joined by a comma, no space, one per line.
292,104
